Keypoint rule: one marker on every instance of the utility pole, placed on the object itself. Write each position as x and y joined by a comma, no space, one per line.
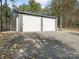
1,16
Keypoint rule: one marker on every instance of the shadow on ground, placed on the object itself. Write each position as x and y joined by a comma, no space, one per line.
74,33
35,46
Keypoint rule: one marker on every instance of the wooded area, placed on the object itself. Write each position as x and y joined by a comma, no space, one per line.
67,12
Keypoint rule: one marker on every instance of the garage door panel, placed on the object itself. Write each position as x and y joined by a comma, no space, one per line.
31,23
48,24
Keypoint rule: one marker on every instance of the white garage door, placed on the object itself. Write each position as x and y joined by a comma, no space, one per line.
31,23
49,24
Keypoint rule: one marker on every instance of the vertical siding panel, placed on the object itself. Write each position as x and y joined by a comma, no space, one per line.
41,23
20,23
56,24
17,23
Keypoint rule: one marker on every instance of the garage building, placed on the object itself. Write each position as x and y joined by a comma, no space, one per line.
32,22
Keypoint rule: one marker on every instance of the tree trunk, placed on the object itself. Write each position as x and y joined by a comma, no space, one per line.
61,22
6,14
1,18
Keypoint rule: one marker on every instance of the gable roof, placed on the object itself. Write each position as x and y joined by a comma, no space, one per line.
35,14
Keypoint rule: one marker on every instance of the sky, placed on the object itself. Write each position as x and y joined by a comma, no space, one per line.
20,2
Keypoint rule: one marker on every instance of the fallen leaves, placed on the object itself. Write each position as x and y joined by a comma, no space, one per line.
4,36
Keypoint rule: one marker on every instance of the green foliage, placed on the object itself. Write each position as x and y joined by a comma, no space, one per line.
34,7
6,8
6,14
45,11
24,7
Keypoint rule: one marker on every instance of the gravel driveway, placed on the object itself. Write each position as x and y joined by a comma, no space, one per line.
45,45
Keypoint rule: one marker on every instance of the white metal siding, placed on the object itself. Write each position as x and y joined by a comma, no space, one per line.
49,24
31,23
34,23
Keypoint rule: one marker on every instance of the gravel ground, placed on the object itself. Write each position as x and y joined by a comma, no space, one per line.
45,45
69,38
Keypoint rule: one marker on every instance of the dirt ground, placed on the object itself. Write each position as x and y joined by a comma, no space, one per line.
4,36
40,45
